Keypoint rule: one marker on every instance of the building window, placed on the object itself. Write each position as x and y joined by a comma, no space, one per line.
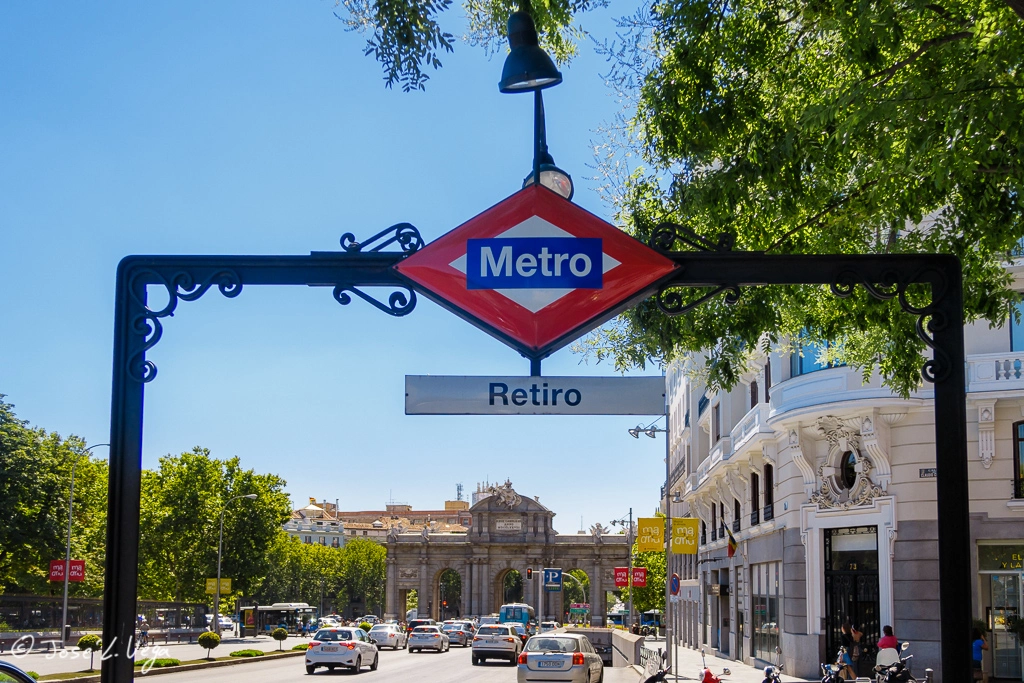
805,359
703,533
716,421
847,470
364,532
714,522
323,540
755,398
765,596
1017,327
335,543
769,492
307,539
736,515
1018,460
767,377
721,520
755,499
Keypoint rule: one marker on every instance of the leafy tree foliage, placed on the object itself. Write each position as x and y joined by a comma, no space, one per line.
407,36
364,567
823,126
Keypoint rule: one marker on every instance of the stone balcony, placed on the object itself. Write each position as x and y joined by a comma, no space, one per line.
995,372
752,428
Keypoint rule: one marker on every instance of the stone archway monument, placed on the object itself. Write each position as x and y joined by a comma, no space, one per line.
510,532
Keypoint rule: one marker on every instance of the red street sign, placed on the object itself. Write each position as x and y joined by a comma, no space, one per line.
640,577
621,577
76,573
536,271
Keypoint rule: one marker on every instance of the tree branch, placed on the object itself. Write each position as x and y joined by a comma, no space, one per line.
1017,6
925,46
821,214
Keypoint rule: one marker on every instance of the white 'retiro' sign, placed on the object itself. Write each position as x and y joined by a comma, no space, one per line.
442,395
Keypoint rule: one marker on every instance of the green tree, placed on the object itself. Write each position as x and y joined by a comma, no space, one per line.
208,640
822,127
365,571
407,35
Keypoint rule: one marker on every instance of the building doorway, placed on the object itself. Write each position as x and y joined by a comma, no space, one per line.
851,588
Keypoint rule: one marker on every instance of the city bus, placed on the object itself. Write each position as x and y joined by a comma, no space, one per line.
517,612
287,615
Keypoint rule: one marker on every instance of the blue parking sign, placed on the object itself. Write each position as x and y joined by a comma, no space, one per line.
553,580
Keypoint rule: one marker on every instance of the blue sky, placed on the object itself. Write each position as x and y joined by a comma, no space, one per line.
232,128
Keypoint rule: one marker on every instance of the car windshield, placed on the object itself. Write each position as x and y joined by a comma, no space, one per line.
552,645
332,635
519,628
377,629
425,629
493,631
451,627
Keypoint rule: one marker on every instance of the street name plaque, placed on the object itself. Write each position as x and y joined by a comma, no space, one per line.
455,395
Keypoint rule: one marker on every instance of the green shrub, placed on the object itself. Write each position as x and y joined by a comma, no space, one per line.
301,646
91,643
248,653
209,640
280,635
33,674
159,663
365,625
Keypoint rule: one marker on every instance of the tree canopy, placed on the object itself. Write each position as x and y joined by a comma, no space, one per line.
800,126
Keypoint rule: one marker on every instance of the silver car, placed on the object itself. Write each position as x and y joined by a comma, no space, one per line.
428,638
496,641
459,633
560,657
389,635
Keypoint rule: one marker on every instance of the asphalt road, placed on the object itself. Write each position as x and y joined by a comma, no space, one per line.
454,666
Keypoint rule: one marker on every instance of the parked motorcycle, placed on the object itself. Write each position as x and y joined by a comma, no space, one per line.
773,673
705,673
898,671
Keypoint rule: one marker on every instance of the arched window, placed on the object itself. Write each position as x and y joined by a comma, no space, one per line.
1018,460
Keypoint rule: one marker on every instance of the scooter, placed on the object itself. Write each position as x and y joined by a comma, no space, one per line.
897,672
705,673
773,674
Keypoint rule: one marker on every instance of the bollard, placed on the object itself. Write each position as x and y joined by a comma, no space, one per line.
928,674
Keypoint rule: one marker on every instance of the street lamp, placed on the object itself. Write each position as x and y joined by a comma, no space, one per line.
652,431
629,554
528,68
67,551
220,544
580,584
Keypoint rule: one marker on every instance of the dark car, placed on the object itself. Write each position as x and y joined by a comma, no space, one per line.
413,623
9,671
521,631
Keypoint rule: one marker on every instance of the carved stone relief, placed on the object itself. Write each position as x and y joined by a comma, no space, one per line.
987,432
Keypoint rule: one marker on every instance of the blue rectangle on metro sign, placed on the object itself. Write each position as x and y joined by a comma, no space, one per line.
534,263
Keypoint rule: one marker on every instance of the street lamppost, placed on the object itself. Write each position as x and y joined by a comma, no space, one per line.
220,545
629,557
67,551
652,431
580,584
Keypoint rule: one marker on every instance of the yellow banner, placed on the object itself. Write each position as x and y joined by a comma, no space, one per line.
650,534
685,534
211,586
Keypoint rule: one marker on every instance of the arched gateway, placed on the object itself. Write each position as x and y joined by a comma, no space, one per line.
509,533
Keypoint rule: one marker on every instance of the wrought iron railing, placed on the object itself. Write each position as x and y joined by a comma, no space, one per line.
735,525
714,535
755,518
769,512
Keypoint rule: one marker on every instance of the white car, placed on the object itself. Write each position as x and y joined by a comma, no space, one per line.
389,635
567,657
496,641
546,626
348,647
428,638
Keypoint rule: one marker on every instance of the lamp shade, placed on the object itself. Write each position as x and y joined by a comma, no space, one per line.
527,66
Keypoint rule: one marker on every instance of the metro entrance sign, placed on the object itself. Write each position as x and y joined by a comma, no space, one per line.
536,271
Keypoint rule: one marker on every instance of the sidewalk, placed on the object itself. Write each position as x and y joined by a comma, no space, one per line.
72,659
689,666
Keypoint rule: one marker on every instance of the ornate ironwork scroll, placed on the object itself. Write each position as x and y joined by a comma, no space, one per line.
399,303
405,235
182,285
929,318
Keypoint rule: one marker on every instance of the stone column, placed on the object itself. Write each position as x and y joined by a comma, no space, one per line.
597,606
391,608
464,600
424,605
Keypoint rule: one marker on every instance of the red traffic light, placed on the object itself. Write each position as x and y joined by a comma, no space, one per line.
529,573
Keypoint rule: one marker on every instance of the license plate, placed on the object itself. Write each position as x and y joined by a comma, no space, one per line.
549,665
329,648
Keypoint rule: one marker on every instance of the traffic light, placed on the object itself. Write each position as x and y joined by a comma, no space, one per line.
444,604
529,573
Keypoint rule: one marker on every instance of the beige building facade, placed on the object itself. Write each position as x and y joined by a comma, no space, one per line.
827,483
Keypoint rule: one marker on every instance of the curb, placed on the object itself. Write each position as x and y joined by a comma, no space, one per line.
156,671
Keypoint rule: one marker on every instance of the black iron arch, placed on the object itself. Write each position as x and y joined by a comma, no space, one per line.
137,329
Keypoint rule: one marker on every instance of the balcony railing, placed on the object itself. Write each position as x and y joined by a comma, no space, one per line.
736,525
714,535
721,530
755,518
769,512
995,371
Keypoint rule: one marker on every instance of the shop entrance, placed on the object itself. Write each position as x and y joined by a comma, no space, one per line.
851,587
1005,594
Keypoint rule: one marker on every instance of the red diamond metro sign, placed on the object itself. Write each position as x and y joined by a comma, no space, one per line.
536,271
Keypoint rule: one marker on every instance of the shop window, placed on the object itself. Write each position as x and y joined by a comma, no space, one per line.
1018,460
766,595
